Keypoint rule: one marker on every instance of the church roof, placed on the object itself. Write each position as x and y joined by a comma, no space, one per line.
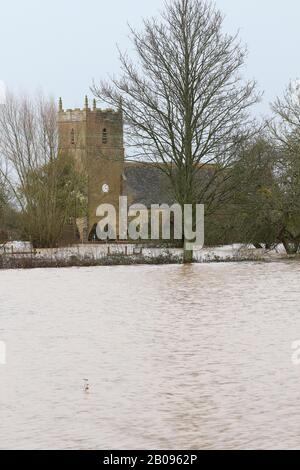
145,183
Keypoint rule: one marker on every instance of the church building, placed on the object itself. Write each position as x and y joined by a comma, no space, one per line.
94,139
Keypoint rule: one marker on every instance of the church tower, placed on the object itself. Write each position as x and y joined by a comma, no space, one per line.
94,139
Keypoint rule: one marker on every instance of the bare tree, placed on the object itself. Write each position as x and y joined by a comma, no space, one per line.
28,139
285,132
3,198
184,102
285,127
43,184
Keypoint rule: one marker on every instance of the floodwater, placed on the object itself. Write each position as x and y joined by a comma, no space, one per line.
195,357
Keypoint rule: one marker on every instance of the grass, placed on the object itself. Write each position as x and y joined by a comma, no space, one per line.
15,262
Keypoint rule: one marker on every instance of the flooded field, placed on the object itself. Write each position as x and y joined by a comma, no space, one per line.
195,357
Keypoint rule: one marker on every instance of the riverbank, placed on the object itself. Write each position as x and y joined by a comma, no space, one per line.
28,262
126,255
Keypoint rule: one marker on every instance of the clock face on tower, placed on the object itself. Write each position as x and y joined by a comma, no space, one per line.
105,188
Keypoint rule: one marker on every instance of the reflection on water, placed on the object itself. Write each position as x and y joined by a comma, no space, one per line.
195,357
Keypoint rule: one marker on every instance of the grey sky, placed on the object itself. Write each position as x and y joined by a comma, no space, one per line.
61,45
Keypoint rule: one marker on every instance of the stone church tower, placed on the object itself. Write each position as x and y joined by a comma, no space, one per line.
94,139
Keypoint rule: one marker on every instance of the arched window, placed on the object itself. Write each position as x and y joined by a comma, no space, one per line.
104,136
72,137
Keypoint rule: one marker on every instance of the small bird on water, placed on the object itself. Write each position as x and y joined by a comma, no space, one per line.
86,385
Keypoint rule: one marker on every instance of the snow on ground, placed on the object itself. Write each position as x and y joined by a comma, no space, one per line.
16,246
95,252
237,251
100,251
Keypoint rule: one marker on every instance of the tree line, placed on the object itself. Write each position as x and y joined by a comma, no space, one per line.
187,110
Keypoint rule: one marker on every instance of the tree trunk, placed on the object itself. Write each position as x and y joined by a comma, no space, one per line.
187,254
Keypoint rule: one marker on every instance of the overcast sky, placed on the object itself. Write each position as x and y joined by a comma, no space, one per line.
61,45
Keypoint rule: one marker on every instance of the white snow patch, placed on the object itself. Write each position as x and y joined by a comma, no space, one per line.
16,246
96,252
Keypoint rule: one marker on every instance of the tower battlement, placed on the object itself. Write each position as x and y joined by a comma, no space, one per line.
65,114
